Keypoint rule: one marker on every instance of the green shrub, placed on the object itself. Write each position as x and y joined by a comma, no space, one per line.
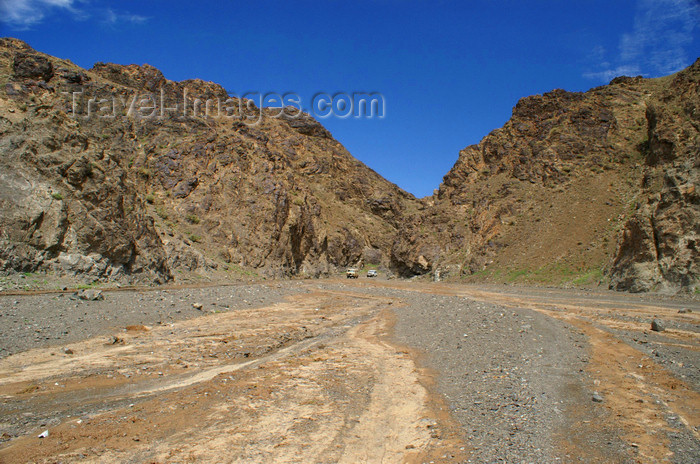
57,196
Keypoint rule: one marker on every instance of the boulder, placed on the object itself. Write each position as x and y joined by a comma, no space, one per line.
91,295
657,325
32,66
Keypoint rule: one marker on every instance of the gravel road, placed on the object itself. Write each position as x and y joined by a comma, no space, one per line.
509,376
516,369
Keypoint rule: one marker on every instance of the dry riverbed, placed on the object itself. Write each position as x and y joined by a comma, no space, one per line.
340,371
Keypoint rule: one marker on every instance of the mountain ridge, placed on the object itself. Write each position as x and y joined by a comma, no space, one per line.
589,150
582,188
277,198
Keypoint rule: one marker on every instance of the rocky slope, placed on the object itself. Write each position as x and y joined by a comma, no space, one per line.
575,187
118,195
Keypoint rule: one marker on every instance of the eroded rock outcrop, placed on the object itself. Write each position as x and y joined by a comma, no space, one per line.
575,186
550,197
658,247
93,185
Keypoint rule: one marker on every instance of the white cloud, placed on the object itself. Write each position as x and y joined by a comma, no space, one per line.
609,74
658,43
22,14
112,17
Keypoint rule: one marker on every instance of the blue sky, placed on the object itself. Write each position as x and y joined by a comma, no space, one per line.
449,71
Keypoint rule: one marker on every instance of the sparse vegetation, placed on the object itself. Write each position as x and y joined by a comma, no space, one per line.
57,196
589,278
144,172
515,275
235,268
160,211
192,219
551,274
88,286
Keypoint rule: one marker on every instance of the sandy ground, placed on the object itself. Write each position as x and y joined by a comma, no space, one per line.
349,371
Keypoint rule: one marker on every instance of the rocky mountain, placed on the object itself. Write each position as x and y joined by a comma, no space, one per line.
88,188
575,187
117,173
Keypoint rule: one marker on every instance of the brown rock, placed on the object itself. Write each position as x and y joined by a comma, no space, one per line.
32,66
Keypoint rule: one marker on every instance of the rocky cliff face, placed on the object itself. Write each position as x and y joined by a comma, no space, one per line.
658,246
67,202
574,186
118,195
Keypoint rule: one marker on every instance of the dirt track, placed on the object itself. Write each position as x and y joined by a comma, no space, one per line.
335,371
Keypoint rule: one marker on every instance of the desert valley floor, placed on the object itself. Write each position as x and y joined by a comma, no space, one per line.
364,371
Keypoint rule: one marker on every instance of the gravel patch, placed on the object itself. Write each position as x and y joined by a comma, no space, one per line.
511,377
514,379
53,319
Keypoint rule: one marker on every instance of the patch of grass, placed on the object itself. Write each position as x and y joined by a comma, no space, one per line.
192,219
235,268
194,238
479,274
515,275
57,196
87,286
555,274
496,274
589,277
161,213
